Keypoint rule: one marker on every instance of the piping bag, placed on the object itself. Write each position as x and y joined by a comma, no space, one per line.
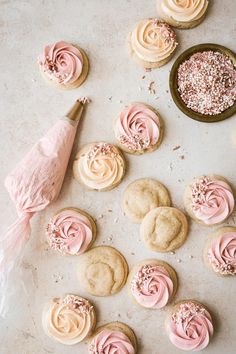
34,183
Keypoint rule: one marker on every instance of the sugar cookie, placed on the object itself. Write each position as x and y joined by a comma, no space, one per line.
189,326
152,43
209,200
143,195
114,337
220,251
164,229
152,283
182,14
102,271
99,166
71,231
64,65
138,129
69,320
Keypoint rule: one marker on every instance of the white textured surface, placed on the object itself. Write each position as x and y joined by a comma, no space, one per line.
29,107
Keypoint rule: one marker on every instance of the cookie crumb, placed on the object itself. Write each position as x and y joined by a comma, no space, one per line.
178,260
182,157
116,220
190,256
172,252
100,216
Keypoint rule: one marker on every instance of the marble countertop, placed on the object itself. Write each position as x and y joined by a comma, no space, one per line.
29,107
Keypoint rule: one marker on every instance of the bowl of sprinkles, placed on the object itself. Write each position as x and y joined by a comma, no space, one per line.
203,82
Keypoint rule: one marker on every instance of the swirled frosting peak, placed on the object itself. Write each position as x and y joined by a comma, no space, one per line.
190,327
153,40
138,127
212,200
69,232
182,10
111,342
101,166
222,254
62,62
152,286
69,320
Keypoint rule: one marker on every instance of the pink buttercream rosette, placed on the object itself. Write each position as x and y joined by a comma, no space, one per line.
152,286
190,327
222,254
138,128
111,342
62,62
69,232
212,200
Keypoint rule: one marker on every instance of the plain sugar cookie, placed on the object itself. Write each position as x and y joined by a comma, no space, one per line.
143,195
164,229
102,271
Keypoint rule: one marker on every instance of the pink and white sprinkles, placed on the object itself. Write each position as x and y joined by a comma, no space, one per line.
207,82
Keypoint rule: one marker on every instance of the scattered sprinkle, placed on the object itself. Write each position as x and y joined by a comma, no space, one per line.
176,147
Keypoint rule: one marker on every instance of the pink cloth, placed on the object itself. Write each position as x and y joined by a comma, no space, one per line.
34,183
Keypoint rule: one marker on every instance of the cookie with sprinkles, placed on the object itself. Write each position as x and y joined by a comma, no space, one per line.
139,129
71,231
152,283
69,320
152,43
189,326
220,251
99,166
209,200
64,65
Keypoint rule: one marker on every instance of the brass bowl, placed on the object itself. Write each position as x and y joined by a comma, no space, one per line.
174,86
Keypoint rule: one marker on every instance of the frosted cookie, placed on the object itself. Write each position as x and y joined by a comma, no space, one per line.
102,271
190,326
71,231
114,337
152,283
164,229
69,320
99,166
182,14
152,43
209,200
220,251
138,129
143,195
64,65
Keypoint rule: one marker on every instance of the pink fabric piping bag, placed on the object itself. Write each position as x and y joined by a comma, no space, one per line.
34,183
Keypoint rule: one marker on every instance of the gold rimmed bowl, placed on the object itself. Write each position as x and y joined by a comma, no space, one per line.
174,83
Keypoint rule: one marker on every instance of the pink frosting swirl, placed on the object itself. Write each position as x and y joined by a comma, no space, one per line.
138,127
212,200
222,254
111,342
152,286
62,62
69,232
190,328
